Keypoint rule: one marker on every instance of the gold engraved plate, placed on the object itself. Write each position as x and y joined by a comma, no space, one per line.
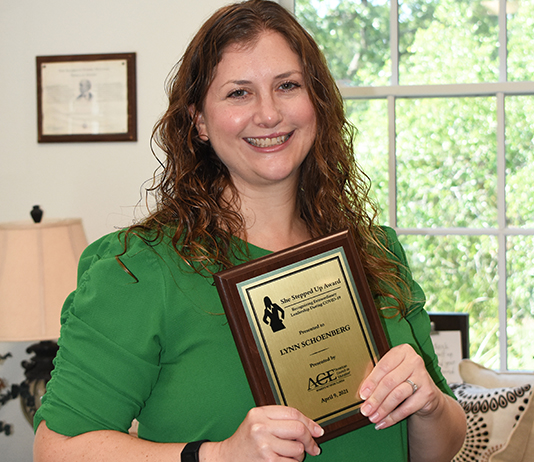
306,329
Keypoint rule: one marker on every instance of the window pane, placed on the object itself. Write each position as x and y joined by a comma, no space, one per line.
520,160
520,293
520,40
447,41
371,147
353,35
446,162
459,274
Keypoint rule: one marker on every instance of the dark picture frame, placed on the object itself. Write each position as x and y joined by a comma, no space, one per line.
84,98
451,321
331,335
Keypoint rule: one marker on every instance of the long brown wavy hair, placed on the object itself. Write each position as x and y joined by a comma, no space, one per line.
333,191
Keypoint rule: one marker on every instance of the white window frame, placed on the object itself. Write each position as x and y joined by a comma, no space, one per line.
499,90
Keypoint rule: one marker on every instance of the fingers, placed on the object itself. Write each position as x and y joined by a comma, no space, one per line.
273,433
400,360
289,426
388,391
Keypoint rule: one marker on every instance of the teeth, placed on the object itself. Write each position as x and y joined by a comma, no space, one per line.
267,142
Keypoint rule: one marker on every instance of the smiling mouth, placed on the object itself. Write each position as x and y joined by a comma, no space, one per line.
268,142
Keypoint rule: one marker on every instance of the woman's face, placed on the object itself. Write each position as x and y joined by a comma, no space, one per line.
257,113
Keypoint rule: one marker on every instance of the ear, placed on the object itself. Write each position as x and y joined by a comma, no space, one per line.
198,120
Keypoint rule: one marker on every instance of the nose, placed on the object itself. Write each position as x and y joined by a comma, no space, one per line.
268,112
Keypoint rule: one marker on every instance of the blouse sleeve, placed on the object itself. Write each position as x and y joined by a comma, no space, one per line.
415,327
108,360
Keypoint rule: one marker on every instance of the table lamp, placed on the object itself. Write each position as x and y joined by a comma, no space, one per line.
38,266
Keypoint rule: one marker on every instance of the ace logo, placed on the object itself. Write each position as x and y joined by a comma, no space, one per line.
322,379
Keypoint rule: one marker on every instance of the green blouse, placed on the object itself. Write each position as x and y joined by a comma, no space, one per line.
154,344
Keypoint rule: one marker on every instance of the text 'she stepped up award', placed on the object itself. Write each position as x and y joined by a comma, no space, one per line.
306,329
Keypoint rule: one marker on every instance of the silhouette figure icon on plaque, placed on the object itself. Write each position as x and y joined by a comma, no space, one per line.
273,315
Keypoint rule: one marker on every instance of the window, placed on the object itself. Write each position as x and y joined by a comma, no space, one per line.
442,94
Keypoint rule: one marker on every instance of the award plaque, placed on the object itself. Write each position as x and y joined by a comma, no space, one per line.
306,328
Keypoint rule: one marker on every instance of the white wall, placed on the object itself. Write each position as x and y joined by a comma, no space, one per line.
99,182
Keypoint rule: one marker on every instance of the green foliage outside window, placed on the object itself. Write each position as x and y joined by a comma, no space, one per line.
446,149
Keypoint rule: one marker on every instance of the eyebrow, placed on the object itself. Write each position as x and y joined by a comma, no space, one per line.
284,75
287,74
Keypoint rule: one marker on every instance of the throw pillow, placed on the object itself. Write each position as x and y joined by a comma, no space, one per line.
520,445
491,416
475,374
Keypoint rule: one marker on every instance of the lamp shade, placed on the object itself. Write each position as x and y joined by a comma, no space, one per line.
38,265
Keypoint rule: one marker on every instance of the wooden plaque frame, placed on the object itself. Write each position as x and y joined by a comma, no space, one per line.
333,337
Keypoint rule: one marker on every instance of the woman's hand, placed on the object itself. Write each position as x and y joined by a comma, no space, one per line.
388,391
398,387
268,433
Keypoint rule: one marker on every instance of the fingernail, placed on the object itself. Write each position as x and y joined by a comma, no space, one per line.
380,426
319,430
365,393
366,409
374,418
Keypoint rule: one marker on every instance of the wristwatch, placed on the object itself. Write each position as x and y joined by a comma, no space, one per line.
190,451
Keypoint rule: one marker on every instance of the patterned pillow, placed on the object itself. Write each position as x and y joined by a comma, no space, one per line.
491,416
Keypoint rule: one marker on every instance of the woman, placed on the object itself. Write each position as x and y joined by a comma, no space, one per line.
259,158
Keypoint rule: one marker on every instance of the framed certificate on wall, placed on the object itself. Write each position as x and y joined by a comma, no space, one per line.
86,98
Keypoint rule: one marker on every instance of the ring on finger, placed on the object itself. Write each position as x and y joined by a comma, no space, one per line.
413,385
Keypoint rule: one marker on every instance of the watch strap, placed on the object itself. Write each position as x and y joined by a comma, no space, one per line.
190,451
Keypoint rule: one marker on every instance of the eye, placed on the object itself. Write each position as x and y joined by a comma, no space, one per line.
289,85
239,93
